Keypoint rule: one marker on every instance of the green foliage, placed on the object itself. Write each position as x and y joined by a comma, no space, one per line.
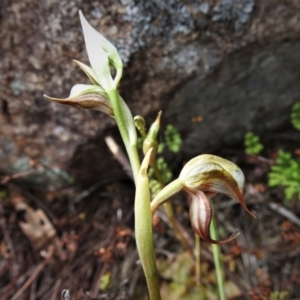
279,295
181,281
295,115
252,143
105,281
165,172
164,169
172,138
286,170
286,173
154,185
4,195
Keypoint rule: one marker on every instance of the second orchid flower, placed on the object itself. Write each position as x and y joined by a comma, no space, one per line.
203,177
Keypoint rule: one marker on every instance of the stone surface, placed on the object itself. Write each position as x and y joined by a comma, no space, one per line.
233,63
252,92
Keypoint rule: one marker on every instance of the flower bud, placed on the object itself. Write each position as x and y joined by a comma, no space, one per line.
151,138
140,125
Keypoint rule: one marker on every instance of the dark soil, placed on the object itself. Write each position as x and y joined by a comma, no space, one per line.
94,239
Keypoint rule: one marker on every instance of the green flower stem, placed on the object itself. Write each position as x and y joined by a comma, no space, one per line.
171,189
143,230
217,258
120,119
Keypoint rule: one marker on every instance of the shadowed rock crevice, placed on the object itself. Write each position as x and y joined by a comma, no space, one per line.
252,90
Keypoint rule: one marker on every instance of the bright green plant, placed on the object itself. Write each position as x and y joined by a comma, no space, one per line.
202,177
295,115
279,295
172,138
286,173
286,170
166,174
252,143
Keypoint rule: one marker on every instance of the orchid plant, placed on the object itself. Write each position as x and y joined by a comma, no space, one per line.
202,177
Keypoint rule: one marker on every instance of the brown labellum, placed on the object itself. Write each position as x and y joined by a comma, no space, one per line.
201,215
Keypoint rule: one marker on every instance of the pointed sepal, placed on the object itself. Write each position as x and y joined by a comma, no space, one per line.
86,97
88,71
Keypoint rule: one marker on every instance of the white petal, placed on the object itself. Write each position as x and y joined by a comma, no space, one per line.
97,56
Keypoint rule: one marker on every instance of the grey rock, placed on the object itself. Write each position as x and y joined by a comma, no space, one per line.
237,11
235,63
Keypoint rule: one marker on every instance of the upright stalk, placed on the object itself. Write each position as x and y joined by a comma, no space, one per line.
143,230
197,258
142,209
216,249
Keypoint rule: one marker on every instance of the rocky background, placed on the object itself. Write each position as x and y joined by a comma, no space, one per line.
217,69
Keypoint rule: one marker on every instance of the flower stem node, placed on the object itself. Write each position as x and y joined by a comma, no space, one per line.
202,177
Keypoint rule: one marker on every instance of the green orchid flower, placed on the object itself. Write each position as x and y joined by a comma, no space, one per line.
102,55
203,177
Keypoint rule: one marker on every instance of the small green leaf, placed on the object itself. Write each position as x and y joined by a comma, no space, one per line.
172,138
105,281
295,115
285,173
252,144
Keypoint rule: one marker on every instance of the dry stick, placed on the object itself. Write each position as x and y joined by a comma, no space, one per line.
98,281
56,289
276,207
36,272
285,212
7,178
33,290
5,231
119,155
95,289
